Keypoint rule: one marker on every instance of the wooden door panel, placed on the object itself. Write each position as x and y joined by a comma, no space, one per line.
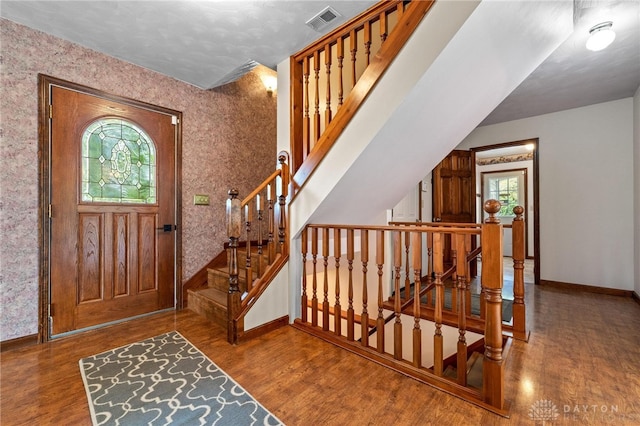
90,255
87,315
146,237
454,195
120,250
108,259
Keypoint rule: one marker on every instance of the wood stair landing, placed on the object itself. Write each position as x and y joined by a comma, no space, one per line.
211,301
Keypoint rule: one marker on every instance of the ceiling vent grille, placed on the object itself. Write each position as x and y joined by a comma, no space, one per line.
322,19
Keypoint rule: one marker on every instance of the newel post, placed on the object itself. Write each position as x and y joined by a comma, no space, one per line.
493,369
234,221
518,240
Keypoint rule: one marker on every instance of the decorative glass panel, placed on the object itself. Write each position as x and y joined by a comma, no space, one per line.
118,163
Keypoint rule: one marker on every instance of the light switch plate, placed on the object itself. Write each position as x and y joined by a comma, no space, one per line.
201,200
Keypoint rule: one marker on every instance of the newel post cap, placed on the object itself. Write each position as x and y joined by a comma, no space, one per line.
518,211
492,207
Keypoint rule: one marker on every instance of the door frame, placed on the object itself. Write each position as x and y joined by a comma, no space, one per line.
536,195
45,83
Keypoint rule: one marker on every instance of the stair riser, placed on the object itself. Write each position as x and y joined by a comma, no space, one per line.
220,280
208,309
256,260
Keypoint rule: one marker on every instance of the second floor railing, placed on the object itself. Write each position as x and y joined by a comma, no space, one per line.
332,77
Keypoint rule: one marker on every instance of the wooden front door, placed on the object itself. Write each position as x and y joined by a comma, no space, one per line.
454,192
112,210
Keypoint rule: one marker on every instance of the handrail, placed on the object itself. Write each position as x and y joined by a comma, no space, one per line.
276,252
308,150
261,187
444,230
320,285
438,224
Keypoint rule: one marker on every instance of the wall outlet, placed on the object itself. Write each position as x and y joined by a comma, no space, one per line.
201,200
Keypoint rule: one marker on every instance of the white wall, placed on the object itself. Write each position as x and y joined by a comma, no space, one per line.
636,188
586,190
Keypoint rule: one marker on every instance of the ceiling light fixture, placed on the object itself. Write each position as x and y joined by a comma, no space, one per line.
600,36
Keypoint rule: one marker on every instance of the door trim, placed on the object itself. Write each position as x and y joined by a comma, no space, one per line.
45,83
536,195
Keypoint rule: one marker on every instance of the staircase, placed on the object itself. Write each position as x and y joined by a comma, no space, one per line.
416,99
211,301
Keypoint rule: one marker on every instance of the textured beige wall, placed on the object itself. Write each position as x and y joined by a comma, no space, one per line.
228,139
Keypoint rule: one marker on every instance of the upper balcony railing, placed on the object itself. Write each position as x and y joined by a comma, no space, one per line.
332,77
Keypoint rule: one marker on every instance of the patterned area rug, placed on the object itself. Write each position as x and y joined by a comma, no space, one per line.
166,380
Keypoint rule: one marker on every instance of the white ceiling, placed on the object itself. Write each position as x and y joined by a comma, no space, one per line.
209,43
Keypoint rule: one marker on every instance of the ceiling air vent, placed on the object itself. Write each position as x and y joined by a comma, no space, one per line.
322,19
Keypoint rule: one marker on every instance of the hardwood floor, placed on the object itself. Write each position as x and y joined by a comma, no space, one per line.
583,357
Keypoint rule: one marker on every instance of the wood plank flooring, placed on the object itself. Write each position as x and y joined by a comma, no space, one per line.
583,357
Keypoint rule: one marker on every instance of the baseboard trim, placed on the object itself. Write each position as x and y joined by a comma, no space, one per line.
264,329
587,288
20,342
635,297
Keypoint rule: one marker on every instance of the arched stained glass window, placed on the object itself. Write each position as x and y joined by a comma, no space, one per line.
118,163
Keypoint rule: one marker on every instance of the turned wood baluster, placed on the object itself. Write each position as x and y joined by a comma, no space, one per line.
353,44
438,268
468,239
314,257
407,271
234,220
327,64
367,41
248,269
518,241
397,325
305,299
340,52
350,314
429,267
282,218
306,121
316,114
454,276
285,182
260,219
325,300
337,309
380,263
400,10
271,244
461,287
383,27
492,367
364,318
416,242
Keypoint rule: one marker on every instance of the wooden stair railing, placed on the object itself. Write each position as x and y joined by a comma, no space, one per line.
267,204
366,289
314,84
517,325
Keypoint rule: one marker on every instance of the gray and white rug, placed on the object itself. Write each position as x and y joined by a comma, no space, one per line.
165,380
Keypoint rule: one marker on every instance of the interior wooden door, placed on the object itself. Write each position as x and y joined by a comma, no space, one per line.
112,209
454,192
